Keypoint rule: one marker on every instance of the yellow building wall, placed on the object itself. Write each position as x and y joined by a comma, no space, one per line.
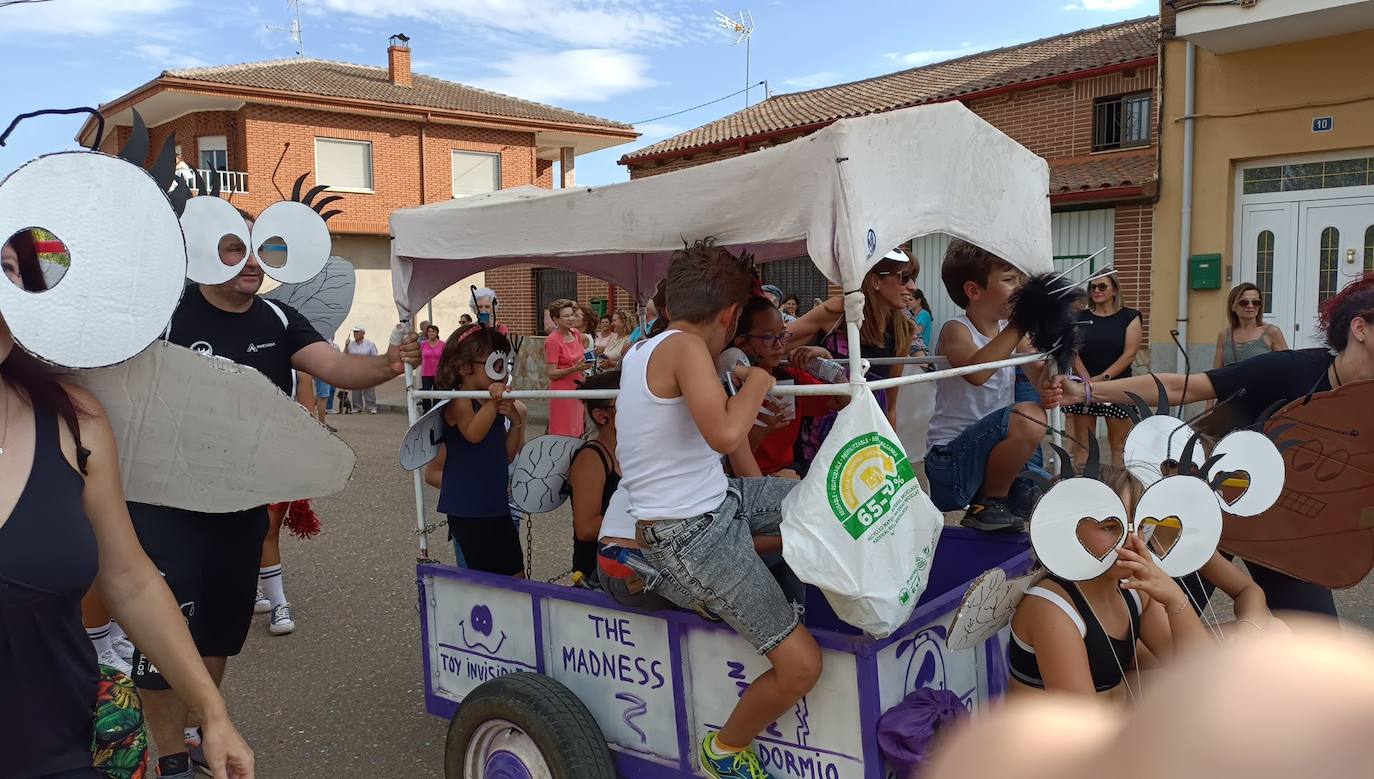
1249,105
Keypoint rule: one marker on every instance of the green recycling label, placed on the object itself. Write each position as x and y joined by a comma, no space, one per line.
865,477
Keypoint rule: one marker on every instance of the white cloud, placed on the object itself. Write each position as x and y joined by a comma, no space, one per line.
927,56
583,23
1102,5
167,57
591,75
86,17
812,80
650,130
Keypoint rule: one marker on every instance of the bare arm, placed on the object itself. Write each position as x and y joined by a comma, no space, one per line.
1130,347
587,478
1199,387
136,594
724,422
743,463
434,469
356,371
517,413
1221,342
956,343
821,319
305,390
474,425
1274,336
1250,602
1059,648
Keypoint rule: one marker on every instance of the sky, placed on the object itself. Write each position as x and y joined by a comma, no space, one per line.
635,61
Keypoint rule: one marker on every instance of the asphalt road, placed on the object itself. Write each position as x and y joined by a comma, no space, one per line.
342,697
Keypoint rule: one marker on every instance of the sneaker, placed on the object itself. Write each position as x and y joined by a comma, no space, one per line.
740,765
262,605
112,659
125,649
992,516
198,763
281,620
373,411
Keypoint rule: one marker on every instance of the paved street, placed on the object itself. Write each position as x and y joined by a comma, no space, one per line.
342,697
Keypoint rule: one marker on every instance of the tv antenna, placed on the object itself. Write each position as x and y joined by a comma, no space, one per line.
743,30
294,29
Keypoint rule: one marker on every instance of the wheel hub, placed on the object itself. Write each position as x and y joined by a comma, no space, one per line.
499,749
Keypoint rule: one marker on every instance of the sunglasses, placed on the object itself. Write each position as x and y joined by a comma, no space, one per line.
1099,287
770,339
905,277
1248,303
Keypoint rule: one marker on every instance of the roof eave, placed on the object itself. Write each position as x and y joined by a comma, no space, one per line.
630,160
1144,191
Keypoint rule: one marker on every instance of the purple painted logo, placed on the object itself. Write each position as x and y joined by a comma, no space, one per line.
480,620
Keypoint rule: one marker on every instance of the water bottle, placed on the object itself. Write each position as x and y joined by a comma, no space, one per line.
828,371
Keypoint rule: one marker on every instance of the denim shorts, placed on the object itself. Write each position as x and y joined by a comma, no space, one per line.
708,561
956,469
322,390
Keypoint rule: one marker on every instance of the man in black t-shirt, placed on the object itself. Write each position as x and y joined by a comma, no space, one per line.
210,561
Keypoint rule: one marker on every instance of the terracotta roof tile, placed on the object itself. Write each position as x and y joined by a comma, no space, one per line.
346,80
1101,171
1068,53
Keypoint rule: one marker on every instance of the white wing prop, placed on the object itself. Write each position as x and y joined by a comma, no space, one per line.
541,472
987,607
207,434
422,440
324,299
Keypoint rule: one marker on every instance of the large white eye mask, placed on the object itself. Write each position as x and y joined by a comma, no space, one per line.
128,258
307,240
1157,440
206,220
1184,515
1255,461
498,367
1054,527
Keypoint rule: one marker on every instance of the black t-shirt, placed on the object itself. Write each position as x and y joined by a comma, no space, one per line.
1104,339
264,337
1269,378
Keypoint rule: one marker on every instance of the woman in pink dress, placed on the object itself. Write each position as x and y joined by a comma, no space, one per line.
431,349
565,355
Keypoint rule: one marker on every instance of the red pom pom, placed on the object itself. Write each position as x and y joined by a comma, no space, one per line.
301,519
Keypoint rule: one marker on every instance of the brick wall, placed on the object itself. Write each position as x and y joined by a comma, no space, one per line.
1131,252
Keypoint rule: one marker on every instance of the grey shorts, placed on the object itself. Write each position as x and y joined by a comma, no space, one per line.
708,561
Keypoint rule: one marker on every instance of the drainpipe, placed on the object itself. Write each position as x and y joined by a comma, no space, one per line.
424,185
1185,231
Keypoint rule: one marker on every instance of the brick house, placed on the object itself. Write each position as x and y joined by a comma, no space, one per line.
1086,101
384,138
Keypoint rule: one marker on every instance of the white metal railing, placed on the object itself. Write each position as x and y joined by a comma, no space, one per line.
231,182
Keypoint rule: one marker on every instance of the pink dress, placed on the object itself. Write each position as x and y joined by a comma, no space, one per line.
566,415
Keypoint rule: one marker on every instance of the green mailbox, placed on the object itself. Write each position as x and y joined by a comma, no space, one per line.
1204,271
600,306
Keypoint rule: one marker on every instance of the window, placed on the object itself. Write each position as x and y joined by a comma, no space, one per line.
798,276
1326,264
1121,122
551,284
1369,249
1355,172
1264,269
344,164
214,152
475,173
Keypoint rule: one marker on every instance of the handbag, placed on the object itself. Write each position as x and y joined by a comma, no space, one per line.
119,735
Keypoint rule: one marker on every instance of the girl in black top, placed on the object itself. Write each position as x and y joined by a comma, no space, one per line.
63,526
1348,321
594,475
1111,337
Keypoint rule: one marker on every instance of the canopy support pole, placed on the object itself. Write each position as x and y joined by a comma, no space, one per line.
418,473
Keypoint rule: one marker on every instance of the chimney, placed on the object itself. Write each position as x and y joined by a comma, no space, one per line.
398,60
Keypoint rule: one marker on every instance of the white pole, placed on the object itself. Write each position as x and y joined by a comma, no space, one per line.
414,417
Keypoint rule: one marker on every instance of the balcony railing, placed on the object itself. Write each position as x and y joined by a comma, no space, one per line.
231,182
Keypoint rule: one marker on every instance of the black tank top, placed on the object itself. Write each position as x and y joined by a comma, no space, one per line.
584,552
1107,656
48,671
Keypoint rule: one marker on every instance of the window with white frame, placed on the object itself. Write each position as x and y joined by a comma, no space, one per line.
213,151
475,173
343,164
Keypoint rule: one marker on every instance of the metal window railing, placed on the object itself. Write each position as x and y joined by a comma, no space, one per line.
231,182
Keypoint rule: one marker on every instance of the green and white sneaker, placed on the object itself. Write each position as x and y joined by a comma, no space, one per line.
739,765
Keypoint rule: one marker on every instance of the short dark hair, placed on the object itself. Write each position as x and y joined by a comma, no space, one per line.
705,279
755,305
601,381
965,262
461,349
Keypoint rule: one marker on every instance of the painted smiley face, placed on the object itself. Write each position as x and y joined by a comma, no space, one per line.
481,619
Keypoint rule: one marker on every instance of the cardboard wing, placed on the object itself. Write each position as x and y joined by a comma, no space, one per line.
206,434
324,299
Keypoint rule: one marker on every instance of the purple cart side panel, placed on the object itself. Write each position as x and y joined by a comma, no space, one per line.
537,603
631,767
439,707
684,731
870,708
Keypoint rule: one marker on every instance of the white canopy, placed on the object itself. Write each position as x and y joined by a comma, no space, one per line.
844,196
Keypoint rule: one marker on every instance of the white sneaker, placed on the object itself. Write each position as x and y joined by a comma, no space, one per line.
262,605
373,411
125,649
281,620
113,660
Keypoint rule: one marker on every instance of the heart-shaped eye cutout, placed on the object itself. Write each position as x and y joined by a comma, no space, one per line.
496,366
1100,537
1234,485
1161,534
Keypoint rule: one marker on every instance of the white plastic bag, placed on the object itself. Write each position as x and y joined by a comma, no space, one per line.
858,526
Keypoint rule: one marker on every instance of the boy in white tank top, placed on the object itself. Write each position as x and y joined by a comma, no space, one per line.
980,438
694,525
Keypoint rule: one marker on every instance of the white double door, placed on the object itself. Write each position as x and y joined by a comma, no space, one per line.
1300,253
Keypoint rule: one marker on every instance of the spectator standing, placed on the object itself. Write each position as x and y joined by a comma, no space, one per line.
622,325
650,317
564,356
361,346
431,349
1111,337
789,308
1246,335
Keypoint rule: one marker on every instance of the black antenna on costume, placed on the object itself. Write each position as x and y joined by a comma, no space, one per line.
137,147
310,196
1142,410
1066,470
99,123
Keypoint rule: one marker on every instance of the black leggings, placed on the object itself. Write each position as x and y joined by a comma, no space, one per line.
426,383
1283,592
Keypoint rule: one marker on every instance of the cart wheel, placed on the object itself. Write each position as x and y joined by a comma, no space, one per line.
525,726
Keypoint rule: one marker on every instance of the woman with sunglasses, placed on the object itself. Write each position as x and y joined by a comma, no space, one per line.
1111,337
1246,334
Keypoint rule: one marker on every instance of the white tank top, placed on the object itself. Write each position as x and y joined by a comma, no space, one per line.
959,404
668,470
